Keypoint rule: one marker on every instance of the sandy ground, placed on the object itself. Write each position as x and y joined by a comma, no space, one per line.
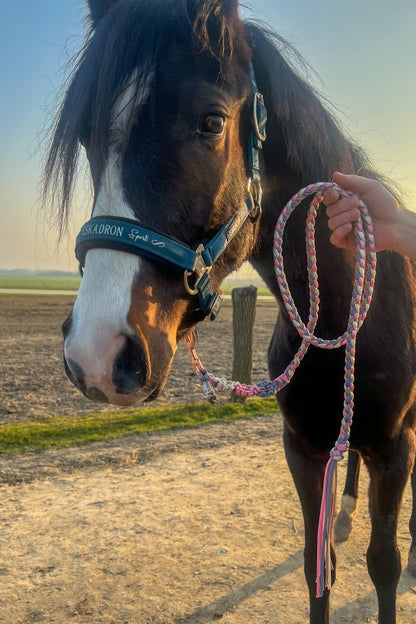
184,527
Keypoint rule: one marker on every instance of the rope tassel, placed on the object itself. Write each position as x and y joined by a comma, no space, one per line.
365,269
325,528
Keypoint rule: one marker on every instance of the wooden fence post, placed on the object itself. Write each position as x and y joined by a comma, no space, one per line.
244,313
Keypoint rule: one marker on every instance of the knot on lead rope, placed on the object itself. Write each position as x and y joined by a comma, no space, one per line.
365,268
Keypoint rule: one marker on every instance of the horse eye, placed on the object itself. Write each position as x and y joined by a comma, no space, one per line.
213,124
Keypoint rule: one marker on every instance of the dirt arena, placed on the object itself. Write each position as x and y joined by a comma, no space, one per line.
184,527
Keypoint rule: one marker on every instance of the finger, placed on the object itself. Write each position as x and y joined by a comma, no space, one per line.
330,197
339,237
348,216
354,183
345,204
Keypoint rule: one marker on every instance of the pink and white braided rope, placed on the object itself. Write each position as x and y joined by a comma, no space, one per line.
365,268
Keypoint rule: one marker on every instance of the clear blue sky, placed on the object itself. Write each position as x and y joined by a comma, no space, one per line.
364,53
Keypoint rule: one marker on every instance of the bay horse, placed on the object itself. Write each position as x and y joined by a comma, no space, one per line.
161,98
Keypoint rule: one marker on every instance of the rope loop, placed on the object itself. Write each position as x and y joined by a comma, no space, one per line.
365,267
365,270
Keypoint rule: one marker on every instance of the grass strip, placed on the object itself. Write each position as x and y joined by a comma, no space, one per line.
57,431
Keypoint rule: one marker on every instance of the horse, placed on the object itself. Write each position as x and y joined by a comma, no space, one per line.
165,99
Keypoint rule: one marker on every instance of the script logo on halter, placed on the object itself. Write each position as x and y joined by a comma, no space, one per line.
136,235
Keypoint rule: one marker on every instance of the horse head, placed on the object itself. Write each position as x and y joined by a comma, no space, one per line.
162,101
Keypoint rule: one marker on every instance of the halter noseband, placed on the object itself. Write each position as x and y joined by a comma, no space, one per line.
130,236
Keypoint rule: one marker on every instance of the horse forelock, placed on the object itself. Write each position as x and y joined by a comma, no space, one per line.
115,52
128,104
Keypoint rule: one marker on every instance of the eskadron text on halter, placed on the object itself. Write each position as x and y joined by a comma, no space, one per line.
131,236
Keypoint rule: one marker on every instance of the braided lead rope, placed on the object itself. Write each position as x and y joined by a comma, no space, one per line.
365,268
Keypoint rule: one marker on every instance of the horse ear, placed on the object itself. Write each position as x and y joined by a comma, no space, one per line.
98,8
215,24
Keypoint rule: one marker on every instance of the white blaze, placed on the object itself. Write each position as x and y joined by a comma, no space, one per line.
100,312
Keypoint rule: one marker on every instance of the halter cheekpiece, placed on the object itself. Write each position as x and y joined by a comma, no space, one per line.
131,236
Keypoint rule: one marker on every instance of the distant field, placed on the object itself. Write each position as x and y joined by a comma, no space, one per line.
41,282
59,282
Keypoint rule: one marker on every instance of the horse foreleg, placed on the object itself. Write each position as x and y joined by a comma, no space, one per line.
343,523
388,477
308,474
412,526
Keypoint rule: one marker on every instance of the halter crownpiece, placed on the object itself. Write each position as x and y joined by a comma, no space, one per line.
131,236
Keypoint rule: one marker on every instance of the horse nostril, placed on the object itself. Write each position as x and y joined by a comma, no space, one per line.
130,368
75,373
67,325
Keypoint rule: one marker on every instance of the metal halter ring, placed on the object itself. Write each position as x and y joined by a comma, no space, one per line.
199,270
188,274
189,290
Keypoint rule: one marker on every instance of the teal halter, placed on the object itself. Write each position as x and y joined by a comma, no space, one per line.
130,236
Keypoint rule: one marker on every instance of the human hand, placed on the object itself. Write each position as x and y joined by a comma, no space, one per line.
343,211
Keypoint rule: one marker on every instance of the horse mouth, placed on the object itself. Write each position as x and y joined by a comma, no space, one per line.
121,387
108,395
146,394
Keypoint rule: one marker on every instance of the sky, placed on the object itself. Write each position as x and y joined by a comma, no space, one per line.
363,53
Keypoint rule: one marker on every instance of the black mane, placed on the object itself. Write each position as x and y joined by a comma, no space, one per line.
299,120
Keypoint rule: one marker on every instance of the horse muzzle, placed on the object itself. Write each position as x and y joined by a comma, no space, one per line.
115,370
